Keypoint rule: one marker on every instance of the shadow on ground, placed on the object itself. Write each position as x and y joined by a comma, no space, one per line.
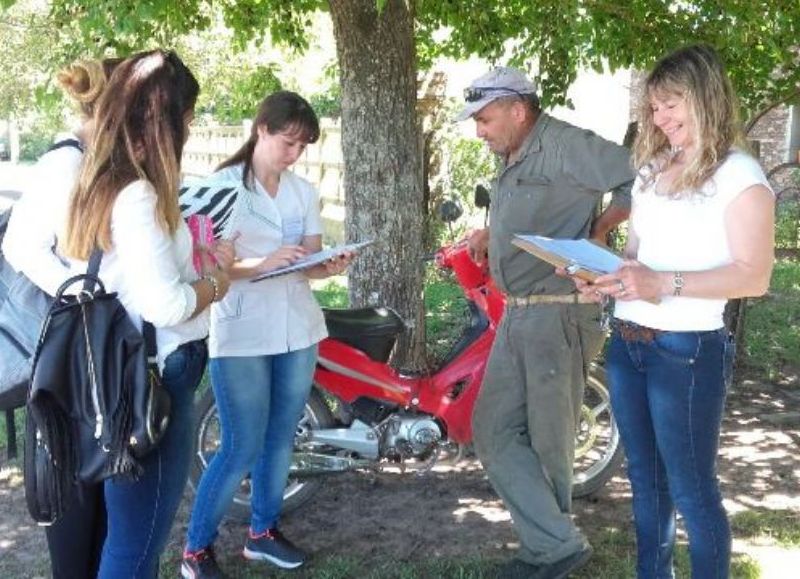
452,512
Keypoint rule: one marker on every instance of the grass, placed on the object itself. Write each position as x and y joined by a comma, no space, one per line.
19,420
613,558
779,526
772,324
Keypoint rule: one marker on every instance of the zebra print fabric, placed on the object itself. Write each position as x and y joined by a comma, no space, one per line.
216,200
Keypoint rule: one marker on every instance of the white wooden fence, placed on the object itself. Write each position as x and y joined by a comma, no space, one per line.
321,163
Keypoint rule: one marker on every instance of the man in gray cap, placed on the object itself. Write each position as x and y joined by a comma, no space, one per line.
551,182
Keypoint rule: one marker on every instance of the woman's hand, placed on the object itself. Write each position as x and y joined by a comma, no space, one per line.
337,265
284,256
633,281
584,287
224,251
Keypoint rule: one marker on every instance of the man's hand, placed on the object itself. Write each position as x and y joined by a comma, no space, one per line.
478,244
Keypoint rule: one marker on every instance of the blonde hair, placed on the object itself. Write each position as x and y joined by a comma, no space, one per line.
696,74
139,135
84,81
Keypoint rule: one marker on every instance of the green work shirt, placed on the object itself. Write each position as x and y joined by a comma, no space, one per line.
552,189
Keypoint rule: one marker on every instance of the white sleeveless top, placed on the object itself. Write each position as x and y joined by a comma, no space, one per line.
687,234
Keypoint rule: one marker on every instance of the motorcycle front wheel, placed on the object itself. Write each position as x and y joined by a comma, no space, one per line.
598,453
316,415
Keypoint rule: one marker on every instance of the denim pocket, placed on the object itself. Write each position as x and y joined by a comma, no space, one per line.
189,357
681,347
728,358
175,364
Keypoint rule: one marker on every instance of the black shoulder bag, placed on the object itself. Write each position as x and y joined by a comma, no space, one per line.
95,404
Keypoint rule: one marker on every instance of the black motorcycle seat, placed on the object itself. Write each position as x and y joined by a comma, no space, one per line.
349,324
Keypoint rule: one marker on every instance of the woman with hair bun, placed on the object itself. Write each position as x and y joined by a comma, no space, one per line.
76,540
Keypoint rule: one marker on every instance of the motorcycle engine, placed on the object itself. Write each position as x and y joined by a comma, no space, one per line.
410,436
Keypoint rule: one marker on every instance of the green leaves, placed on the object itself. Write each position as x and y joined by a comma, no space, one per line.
757,38
234,94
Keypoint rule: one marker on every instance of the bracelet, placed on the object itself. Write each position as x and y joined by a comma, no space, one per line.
677,283
214,285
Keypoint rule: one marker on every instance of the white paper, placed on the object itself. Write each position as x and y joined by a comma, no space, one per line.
580,252
313,259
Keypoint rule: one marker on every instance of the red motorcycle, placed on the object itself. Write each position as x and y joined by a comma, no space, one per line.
363,413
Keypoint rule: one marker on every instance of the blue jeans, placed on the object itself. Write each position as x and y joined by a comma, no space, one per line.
260,401
140,513
668,396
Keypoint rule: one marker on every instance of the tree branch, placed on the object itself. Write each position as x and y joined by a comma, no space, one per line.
776,103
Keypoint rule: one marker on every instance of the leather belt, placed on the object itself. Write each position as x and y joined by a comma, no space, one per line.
631,332
521,302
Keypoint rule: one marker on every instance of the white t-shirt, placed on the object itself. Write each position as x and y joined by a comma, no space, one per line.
149,270
687,234
280,314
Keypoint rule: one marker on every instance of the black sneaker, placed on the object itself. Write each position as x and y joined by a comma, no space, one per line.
516,569
564,567
201,565
273,547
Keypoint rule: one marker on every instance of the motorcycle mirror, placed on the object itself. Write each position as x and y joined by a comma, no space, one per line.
482,198
449,211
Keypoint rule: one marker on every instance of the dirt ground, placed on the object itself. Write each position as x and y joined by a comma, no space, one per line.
452,512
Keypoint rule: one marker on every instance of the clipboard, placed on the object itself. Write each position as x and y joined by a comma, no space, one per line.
312,260
580,257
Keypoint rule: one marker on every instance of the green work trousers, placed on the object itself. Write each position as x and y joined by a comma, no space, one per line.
526,417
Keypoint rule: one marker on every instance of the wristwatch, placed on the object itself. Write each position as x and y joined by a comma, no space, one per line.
677,283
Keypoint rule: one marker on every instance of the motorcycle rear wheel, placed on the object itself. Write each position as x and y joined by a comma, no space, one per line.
298,490
598,452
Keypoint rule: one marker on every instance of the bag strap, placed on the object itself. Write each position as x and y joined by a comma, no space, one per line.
149,334
74,143
93,270
148,330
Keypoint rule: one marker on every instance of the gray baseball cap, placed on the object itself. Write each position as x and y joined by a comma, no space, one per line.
501,81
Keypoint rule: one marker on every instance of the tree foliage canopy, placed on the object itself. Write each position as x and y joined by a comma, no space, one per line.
757,38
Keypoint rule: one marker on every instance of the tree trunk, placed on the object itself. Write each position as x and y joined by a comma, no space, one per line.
383,160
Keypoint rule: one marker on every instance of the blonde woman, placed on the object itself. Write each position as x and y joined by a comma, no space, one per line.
701,232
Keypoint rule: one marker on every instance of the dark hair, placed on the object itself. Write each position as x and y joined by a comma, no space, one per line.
139,134
282,111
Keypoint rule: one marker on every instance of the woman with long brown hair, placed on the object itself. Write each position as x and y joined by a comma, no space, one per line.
125,203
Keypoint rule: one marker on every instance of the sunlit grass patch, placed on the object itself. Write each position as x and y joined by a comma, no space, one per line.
772,323
781,526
